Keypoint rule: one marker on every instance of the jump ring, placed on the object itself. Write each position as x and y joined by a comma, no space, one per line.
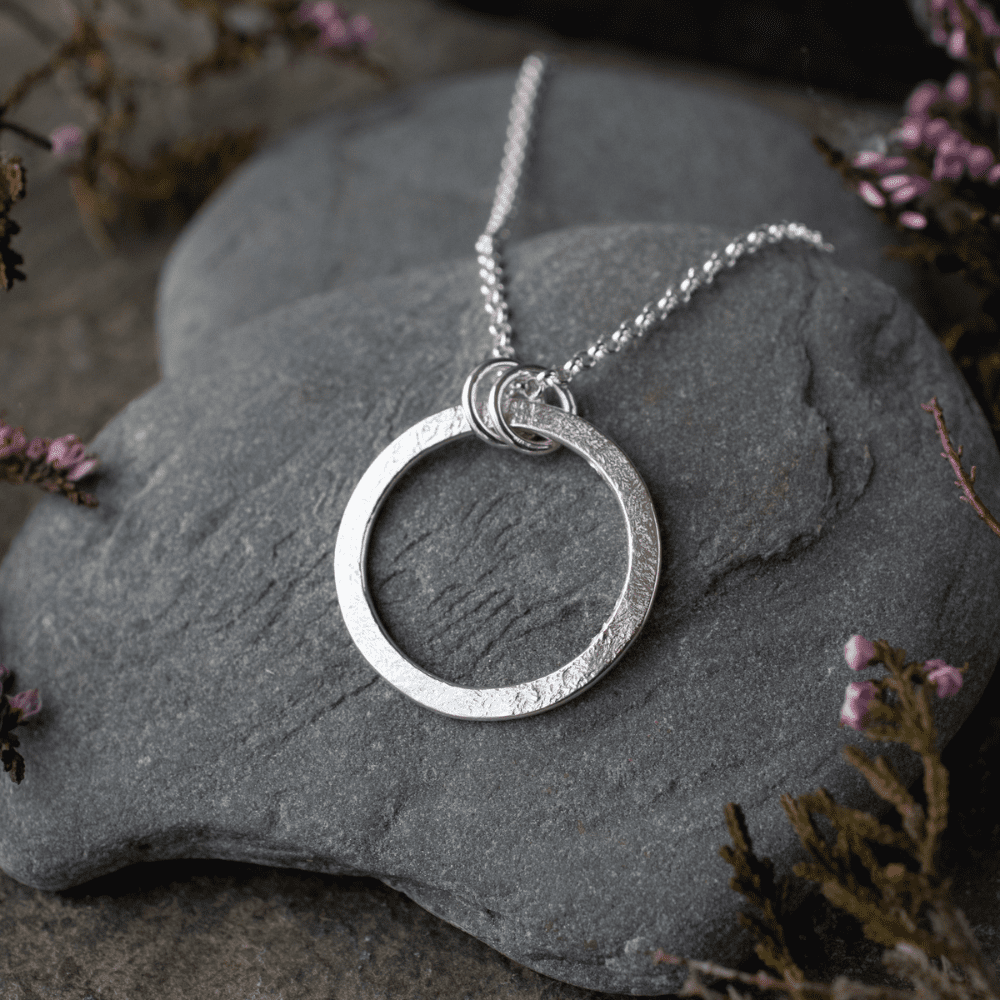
534,445
486,373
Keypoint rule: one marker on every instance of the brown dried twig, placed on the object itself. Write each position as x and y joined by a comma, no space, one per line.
965,482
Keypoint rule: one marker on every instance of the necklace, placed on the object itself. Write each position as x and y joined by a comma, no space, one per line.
504,404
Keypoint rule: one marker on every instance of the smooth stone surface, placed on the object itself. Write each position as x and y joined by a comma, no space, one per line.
409,181
202,698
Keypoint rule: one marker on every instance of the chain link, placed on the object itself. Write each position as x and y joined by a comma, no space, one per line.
489,247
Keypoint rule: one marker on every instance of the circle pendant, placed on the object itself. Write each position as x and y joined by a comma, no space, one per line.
530,697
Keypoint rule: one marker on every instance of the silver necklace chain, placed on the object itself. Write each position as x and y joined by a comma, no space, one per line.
489,247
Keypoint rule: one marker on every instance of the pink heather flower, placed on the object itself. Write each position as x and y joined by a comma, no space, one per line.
922,98
335,31
947,678
980,159
947,164
66,451
859,697
362,29
12,441
935,130
320,12
891,163
911,131
958,89
994,175
868,158
957,48
30,702
65,139
859,651
36,449
917,186
82,469
871,194
894,181
938,35
913,220
988,23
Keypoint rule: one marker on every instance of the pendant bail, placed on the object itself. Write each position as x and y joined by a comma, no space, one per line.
514,383
504,378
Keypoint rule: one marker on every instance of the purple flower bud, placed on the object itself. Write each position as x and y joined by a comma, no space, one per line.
859,652
935,130
913,220
955,142
958,89
938,5
947,678
867,158
911,131
989,23
335,34
65,451
891,163
362,29
13,442
994,175
917,186
980,159
922,98
36,449
957,48
320,12
81,469
29,702
859,697
871,194
893,181
938,35
65,139
948,165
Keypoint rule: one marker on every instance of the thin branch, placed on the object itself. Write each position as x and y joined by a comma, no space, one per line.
954,458
39,140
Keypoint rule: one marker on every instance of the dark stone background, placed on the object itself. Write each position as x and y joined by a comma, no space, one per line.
77,343
872,50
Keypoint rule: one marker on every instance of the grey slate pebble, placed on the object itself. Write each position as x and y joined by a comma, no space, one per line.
202,697
409,181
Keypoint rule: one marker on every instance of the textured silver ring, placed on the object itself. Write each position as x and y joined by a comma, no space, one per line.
530,697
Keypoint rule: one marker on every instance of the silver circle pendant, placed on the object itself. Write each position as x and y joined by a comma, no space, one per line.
531,697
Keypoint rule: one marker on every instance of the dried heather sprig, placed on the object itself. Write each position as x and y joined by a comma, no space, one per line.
110,188
954,458
12,188
895,895
336,30
55,466
936,177
13,711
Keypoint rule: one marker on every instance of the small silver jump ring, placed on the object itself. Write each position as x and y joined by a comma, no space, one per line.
485,374
534,445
